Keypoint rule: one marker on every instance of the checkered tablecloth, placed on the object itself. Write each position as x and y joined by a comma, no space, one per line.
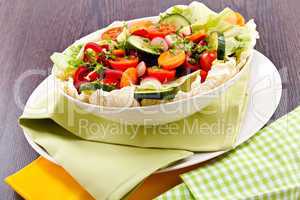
265,167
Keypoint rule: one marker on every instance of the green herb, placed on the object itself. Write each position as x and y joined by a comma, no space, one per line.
199,49
76,62
155,48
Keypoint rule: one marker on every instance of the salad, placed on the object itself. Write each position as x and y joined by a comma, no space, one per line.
185,51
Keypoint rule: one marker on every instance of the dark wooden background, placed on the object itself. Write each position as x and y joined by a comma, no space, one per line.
31,30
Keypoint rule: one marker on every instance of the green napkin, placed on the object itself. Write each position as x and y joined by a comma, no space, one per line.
106,171
214,128
265,167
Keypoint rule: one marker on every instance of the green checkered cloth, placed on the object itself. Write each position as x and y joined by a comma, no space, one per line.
265,167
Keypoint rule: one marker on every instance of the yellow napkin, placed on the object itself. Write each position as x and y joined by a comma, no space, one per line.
47,181
44,180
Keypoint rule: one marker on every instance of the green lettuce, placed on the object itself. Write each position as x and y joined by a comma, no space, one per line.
66,63
237,38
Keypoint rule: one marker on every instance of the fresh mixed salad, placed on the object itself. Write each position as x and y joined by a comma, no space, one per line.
185,51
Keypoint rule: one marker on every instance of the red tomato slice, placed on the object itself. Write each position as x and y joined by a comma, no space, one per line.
92,76
112,33
206,60
161,74
79,76
123,63
155,31
113,74
96,49
141,32
203,75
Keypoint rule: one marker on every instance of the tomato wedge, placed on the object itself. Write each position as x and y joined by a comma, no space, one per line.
112,33
91,51
171,59
129,77
206,59
162,75
197,37
79,76
203,75
122,63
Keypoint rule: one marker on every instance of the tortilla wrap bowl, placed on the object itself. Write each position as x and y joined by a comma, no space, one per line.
154,114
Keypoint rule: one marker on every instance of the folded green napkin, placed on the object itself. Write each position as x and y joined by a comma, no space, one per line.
110,171
106,171
214,128
265,167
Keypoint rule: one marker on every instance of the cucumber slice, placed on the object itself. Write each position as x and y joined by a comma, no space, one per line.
164,93
95,86
177,20
141,44
216,41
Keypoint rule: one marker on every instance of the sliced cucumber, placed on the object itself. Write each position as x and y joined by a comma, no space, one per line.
216,41
141,44
164,93
95,86
177,20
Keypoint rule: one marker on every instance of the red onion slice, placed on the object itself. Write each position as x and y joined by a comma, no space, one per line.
160,42
141,68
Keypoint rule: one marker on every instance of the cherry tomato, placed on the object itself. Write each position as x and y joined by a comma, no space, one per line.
118,52
196,37
95,48
203,75
171,59
206,60
190,67
129,77
112,33
79,76
122,63
162,75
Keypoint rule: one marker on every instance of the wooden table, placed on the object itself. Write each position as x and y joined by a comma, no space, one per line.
31,30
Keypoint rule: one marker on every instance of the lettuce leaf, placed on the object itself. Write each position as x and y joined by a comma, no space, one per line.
195,12
66,63
237,38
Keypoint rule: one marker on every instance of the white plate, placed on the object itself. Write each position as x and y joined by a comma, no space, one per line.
264,95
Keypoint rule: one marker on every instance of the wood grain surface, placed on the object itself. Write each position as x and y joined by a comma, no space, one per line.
31,30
